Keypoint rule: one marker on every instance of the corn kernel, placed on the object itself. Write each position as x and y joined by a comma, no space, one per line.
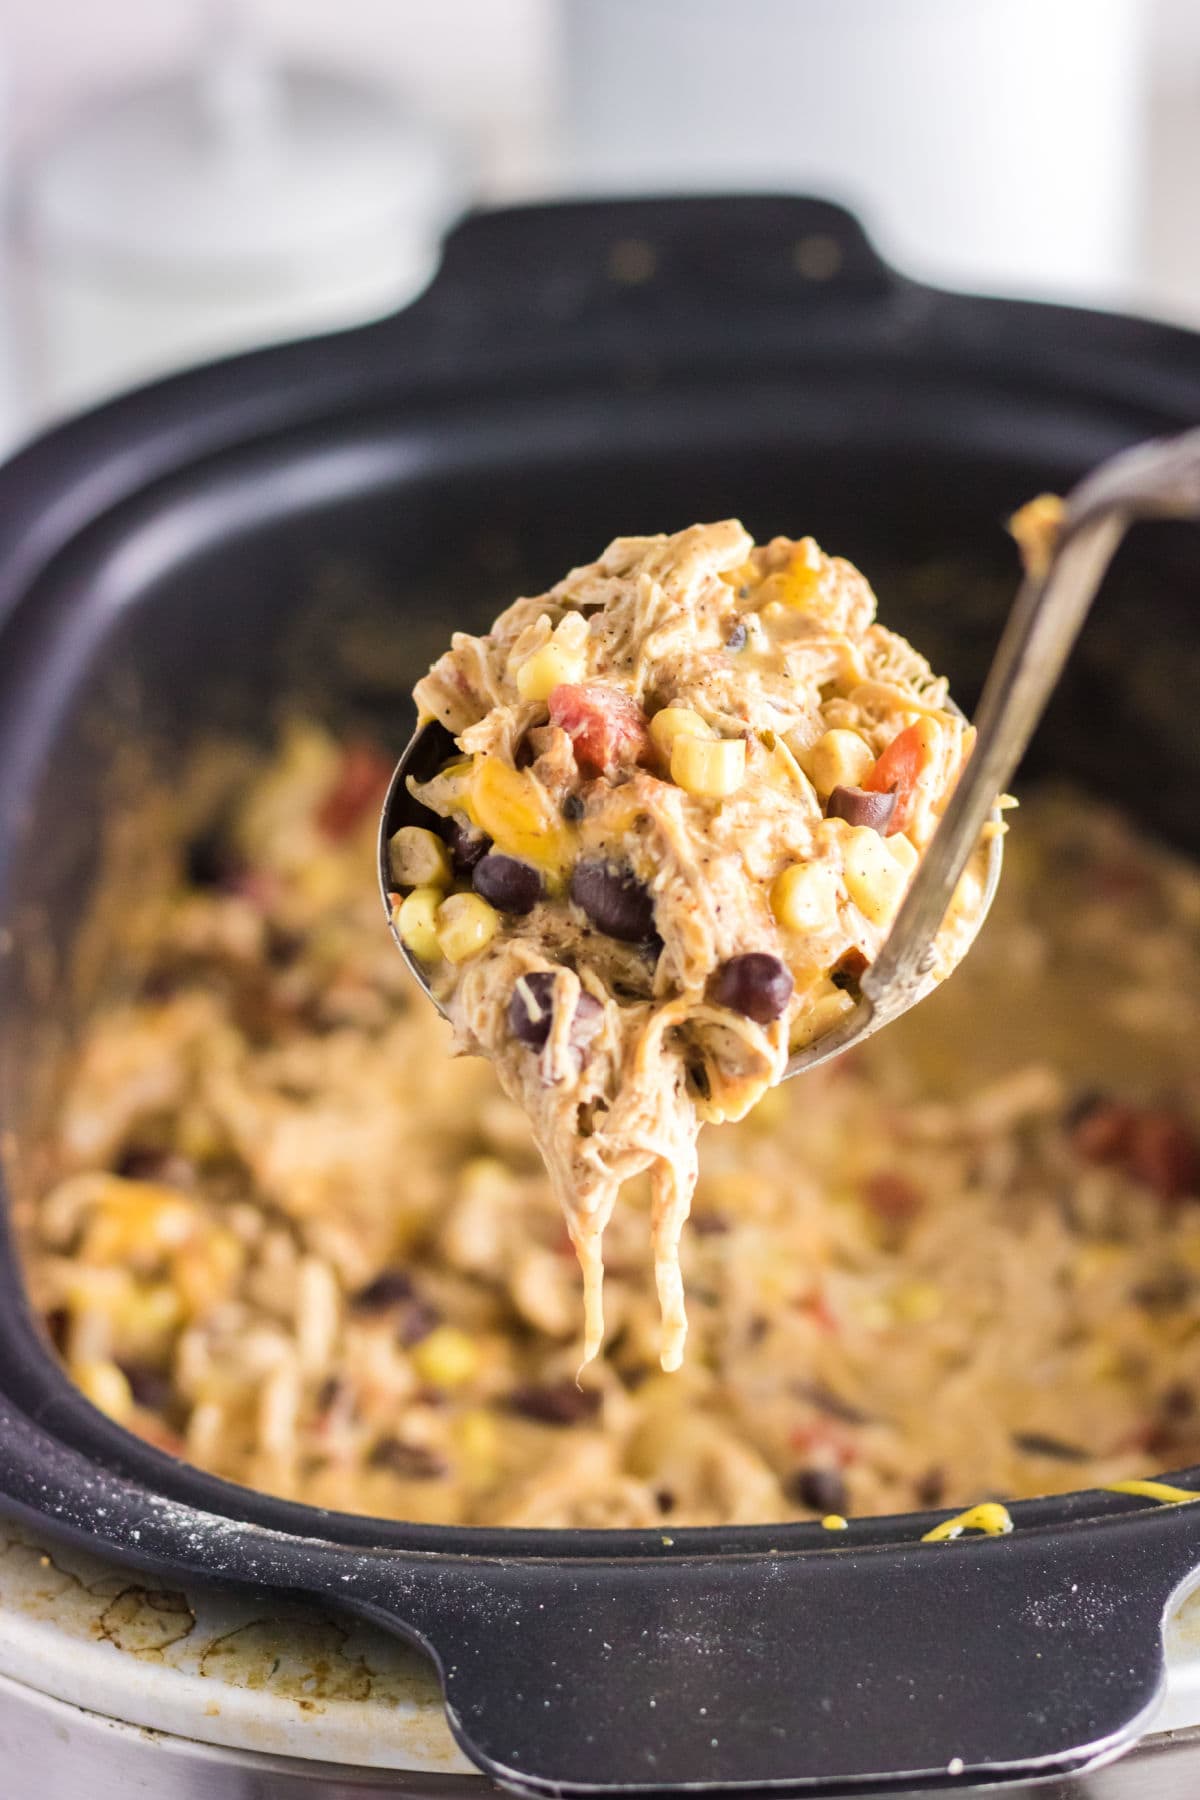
199,1134
798,584
446,1358
513,807
1096,1262
206,1271
839,759
904,851
541,673
827,1008
804,897
136,1222
710,768
106,1387
466,924
478,1439
416,921
418,858
916,1303
145,1316
875,881
674,722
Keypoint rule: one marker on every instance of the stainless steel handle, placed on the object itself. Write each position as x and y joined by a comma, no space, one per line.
1157,480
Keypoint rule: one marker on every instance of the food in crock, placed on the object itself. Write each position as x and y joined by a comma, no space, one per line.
694,780
291,1239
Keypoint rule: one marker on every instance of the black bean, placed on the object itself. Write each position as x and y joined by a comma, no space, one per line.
531,1012
210,861
283,947
140,1163
1164,1289
859,807
1040,1443
465,844
820,1490
665,1500
710,1224
572,808
417,1319
555,1402
387,1290
756,985
506,883
615,901
737,636
412,1462
150,1387
531,1009
1082,1105
931,1487
1177,1401
160,984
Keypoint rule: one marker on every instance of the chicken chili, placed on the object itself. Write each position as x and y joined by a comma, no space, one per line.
292,1240
693,781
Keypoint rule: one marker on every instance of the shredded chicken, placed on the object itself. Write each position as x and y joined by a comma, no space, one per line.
693,782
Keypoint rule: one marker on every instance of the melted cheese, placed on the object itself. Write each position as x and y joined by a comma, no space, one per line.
989,1517
1161,1491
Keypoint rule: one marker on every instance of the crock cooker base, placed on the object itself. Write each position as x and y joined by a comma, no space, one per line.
539,396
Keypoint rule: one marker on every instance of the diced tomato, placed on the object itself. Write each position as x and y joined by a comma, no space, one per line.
607,728
359,785
897,772
827,1440
1165,1155
815,1305
1103,1133
891,1196
1152,1144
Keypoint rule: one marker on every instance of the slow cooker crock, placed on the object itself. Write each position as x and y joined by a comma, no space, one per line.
302,525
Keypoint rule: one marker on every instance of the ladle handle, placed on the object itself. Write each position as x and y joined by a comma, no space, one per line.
1157,480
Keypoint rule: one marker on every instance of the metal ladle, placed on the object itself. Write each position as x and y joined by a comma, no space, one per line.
1159,480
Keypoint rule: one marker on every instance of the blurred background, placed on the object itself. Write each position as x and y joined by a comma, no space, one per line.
183,177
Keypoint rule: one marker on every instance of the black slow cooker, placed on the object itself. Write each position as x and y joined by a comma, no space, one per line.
303,525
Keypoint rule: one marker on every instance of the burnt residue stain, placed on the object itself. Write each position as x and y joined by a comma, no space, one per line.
140,1621
41,1576
146,1621
308,1662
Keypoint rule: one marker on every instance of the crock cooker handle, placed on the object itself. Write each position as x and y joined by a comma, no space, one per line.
820,1672
603,265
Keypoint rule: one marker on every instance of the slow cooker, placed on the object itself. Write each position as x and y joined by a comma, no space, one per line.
303,525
